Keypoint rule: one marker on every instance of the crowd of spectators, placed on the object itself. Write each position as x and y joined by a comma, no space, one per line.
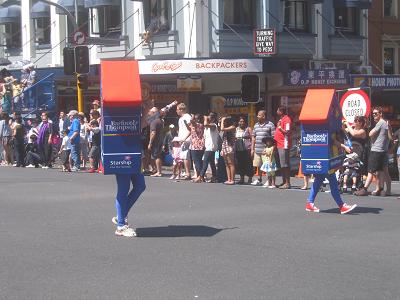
200,148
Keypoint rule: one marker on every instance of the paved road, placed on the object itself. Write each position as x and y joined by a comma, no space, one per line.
196,241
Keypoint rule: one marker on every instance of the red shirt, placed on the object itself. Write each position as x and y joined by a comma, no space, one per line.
284,141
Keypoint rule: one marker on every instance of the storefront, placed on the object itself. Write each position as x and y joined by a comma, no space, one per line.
385,92
203,85
292,91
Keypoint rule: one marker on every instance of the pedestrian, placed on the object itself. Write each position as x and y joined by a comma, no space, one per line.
184,134
156,140
83,140
169,136
32,159
283,140
262,129
177,161
44,141
95,149
211,136
19,145
96,106
65,152
344,208
74,138
269,163
379,146
228,148
6,138
196,147
244,165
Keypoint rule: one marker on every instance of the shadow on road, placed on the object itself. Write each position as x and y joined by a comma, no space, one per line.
356,211
179,231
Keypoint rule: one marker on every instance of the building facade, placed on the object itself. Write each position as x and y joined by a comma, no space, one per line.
313,37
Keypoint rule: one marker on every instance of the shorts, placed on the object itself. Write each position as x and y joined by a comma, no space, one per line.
94,152
351,173
284,160
257,160
376,161
185,152
65,156
229,159
156,151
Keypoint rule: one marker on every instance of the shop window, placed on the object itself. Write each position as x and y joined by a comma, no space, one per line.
157,15
239,14
42,31
346,20
106,21
12,35
295,15
390,8
389,60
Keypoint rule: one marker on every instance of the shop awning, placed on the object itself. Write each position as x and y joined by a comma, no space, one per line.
99,3
10,14
70,6
40,10
361,4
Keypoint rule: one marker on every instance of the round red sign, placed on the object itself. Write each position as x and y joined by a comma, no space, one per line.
355,103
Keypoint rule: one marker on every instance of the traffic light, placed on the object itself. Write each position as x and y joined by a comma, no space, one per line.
83,82
69,60
250,88
82,60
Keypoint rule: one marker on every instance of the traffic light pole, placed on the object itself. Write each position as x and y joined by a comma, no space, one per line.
79,94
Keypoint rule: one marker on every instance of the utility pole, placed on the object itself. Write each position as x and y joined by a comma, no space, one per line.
79,91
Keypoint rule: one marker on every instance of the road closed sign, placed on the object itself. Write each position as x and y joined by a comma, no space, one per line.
355,102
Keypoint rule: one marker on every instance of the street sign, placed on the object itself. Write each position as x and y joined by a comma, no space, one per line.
264,41
355,102
79,37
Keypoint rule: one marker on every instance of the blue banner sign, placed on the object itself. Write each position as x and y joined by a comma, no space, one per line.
121,125
322,77
376,81
314,138
314,166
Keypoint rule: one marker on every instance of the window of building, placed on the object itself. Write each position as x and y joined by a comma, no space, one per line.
157,15
106,21
295,15
389,60
390,8
239,14
346,20
12,35
42,31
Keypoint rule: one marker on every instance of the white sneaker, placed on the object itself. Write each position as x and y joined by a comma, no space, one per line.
255,182
45,167
125,231
272,186
30,166
115,220
266,185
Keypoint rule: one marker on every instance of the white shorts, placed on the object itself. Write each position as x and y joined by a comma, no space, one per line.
185,152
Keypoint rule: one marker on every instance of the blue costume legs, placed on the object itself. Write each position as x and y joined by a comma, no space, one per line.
333,184
126,199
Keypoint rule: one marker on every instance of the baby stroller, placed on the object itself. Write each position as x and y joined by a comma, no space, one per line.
350,174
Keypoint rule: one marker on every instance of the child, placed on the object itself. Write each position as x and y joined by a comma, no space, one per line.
176,155
269,164
32,158
352,165
65,151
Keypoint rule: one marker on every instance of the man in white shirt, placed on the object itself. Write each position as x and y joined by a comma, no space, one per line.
184,136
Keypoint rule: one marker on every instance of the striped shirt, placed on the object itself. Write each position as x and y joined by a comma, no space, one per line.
262,131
